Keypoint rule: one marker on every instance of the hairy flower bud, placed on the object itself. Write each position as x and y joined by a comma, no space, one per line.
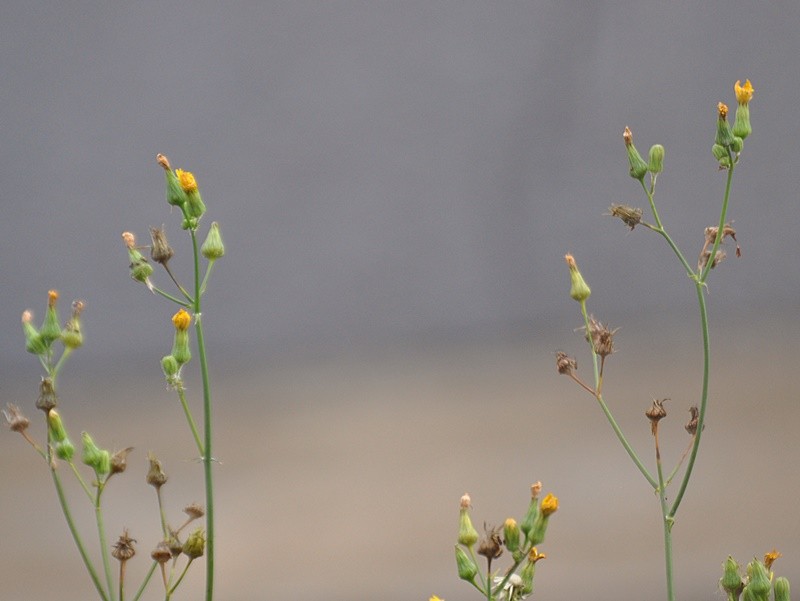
656,164
638,166
467,570
467,535
195,544
579,289
213,248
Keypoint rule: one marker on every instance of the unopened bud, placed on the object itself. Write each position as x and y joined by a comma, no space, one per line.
782,589
71,335
656,164
511,534
548,507
176,196
579,290
65,450
180,346
638,166
58,432
731,581
195,544
741,125
467,570
758,583
467,535
533,509
213,248
51,328
33,340
724,135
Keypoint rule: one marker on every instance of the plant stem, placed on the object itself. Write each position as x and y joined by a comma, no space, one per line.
624,441
207,429
101,533
182,396
667,520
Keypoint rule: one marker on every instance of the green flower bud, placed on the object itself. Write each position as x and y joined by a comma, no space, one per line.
170,367
533,509
731,581
741,123
71,335
180,347
91,452
758,583
58,432
467,535
194,206
140,269
719,152
579,290
548,507
724,135
737,144
782,589
467,570
33,340
51,328
656,164
195,544
65,450
213,248
175,194
511,534
527,573
638,166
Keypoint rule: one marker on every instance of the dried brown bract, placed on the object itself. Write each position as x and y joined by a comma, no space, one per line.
15,419
601,337
691,425
565,364
123,549
630,216
491,545
656,413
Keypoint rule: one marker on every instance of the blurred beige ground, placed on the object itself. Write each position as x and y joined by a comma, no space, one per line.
340,477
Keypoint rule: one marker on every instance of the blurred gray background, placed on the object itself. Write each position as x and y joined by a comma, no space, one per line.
397,184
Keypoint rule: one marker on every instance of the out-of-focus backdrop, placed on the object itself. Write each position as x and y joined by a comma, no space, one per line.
397,184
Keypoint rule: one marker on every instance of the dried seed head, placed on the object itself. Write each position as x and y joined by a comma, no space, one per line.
655,413
123,549
601,337
565,364
630,216
119,461
47,396
161,553
155,475
536,488
129,239
706,255
160,251
710,234
691,425
491,545
15,419
194,511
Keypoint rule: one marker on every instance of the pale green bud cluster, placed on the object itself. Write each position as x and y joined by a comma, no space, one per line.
729,141
758,584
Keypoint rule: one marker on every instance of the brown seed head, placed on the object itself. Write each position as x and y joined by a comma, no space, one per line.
565,364
491,545
161,553
119,461
155,475
123,549
601,337
47,396
706,255
691,425
15,419
655,413
630,216
194,511
160,251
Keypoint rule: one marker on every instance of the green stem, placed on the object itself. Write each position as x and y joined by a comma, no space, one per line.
146,581
207,429
667,521
722,215
192,425
175,300
82,481
617,430
101,533
180,578
62,499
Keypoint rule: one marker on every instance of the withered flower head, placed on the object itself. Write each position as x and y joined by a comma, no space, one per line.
15,419
655,413
627,136
565,364
123,549
194,511
155,475
601,337
129,239
160,251
691,425
119,461
710,234
630,216
706,255
536,488
465,502
491,545
161,553
163,161
47,396
769,558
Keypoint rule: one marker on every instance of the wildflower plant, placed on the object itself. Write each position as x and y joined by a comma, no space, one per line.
520,539
726,149
52,344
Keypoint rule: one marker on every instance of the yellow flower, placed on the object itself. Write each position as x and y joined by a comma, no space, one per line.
549,504
744,93
435,598
186,179
181,320
722,109
769,558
